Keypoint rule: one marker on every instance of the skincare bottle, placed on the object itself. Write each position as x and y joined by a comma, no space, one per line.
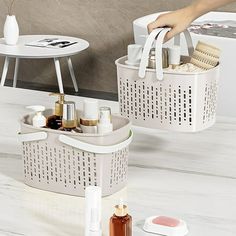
121,221
174,56
152,58
38,121
69,118
55,121
89,118
104,123
93,198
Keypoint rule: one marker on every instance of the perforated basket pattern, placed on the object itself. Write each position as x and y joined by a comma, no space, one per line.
64,169
180,102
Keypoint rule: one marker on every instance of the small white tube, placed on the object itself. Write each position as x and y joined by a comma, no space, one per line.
90,111
95,223
93,199
104,124
174,55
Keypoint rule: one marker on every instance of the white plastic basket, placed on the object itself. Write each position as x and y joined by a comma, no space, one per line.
174,101
66,163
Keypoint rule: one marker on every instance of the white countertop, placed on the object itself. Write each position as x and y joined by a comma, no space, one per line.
190,176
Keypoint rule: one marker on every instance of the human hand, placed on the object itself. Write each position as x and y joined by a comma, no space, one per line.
178,21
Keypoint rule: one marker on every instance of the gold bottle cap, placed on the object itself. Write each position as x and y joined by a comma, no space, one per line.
121,209
59,103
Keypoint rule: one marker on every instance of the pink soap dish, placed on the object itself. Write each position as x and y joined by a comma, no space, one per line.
164,225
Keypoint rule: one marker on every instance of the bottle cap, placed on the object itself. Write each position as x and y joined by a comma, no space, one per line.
90,109
174,55
69,119
59,103
105,115
121,209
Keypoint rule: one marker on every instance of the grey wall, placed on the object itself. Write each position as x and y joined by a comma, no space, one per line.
106,24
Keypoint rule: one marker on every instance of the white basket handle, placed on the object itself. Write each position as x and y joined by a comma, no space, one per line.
146,51
95,148
30,137
159,34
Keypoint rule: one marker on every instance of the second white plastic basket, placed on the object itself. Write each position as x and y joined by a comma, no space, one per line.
173,101
65,163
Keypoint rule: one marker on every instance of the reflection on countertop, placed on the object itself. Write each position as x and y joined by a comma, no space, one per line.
188,176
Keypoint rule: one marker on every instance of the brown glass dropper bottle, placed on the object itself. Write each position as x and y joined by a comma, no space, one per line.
55,121
121,221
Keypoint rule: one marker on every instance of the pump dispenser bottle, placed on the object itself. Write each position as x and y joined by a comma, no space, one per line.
121,221
55,121
38,121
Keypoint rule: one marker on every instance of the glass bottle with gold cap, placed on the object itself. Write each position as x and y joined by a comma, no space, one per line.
121,221
69,118
55,121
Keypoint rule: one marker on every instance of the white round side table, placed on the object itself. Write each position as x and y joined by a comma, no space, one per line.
21,50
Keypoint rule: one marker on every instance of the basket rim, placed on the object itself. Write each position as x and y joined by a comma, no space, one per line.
127,125
118,63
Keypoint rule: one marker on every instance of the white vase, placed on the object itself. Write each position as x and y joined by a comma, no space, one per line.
11,30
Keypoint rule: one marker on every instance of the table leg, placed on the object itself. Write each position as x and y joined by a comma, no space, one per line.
16,72
72,74
5,70
58,72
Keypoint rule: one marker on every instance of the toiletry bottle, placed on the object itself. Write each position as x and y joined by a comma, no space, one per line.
38,121
152,58
95,224
121,222
55,121
174,56
89,119
104,123
69,118
93,199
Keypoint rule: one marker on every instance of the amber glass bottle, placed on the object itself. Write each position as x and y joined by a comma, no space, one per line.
121,222
55,121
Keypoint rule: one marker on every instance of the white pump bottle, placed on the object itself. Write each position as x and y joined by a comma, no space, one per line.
38,120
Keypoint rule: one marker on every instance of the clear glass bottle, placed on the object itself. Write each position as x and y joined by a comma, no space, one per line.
69,118
121,221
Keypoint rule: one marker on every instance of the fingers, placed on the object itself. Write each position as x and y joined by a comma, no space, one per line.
155,24
173,32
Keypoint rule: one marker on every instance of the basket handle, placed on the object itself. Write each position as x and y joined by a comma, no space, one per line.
159,34
146,51
30,137
95,148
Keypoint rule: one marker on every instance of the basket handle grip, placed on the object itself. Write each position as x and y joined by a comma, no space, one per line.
30,137
95,148
146,51
159,34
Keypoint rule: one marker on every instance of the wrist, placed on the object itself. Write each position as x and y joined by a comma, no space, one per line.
197,9
190,13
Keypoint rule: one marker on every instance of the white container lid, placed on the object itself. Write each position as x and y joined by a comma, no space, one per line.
178,228
90,111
